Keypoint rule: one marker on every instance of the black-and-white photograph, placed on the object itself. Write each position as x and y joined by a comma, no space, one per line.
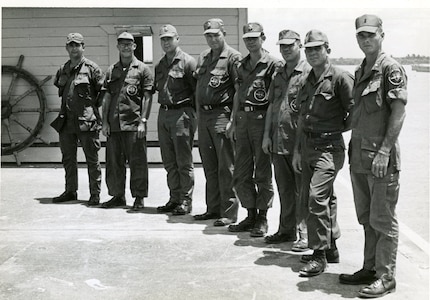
211,151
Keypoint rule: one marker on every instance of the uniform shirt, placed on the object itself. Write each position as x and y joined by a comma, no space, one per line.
216,77
373,95
325,102
127,86
175,82
283,97
78,88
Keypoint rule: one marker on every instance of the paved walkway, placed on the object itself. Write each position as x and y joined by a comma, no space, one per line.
71,251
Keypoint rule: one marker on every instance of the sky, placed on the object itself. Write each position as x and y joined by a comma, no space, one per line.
407,30
406,22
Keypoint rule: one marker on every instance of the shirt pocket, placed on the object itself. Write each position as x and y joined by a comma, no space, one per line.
219,76
82,85
371,96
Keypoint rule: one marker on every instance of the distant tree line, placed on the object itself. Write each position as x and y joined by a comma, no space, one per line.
407,60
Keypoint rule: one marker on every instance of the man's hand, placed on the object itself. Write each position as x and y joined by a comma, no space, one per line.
141,130
230,131
106,129
267,145
380,165
297,162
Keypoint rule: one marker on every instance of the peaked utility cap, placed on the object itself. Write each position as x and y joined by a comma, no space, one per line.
368,23
315,38
125,36
213,26
75,37
288,37
167,30
252,30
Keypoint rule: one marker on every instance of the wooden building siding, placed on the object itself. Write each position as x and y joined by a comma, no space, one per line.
39,34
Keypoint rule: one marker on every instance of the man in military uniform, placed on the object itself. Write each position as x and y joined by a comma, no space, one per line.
252,177
279,139
380,97
177,121
126,107
319,153
216,74
79,82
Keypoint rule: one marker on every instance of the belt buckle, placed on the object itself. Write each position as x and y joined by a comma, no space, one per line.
207,107
248,108
165,107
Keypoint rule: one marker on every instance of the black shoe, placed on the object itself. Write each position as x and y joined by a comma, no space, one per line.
278,238
206,216
260,227
182,209
315,266
360,277
332,256
66,196
116,201
138,204
94,200
245,225
168,207
379,288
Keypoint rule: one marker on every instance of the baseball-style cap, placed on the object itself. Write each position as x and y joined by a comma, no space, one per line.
167,30
368,23
125,36
213,26
252,30
288,37
315,38
75,37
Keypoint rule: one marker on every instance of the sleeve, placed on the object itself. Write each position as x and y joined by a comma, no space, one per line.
108,75
344,90
234,67
147,82
395,84
190,68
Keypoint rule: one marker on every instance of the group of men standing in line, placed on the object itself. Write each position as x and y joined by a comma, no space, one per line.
250,112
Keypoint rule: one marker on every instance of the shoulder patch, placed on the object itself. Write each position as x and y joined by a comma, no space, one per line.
395,77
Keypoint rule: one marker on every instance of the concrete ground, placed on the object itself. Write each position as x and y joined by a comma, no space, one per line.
71,251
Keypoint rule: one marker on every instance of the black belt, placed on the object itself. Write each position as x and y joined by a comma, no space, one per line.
213,106
175,106
323,135
249,108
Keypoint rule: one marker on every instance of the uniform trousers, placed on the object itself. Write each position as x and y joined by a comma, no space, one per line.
176,129
252,167
320,165
122,148
217,154
375,203
294,209
90,143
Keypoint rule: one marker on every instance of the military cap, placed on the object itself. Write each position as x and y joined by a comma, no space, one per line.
288,37
368,23
75,37
213,26
125,36
167,30
252,30
315,38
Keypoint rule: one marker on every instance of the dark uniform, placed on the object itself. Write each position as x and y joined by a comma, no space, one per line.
252,167
283,97
177,123
126,87
214,93
325,105
79,88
